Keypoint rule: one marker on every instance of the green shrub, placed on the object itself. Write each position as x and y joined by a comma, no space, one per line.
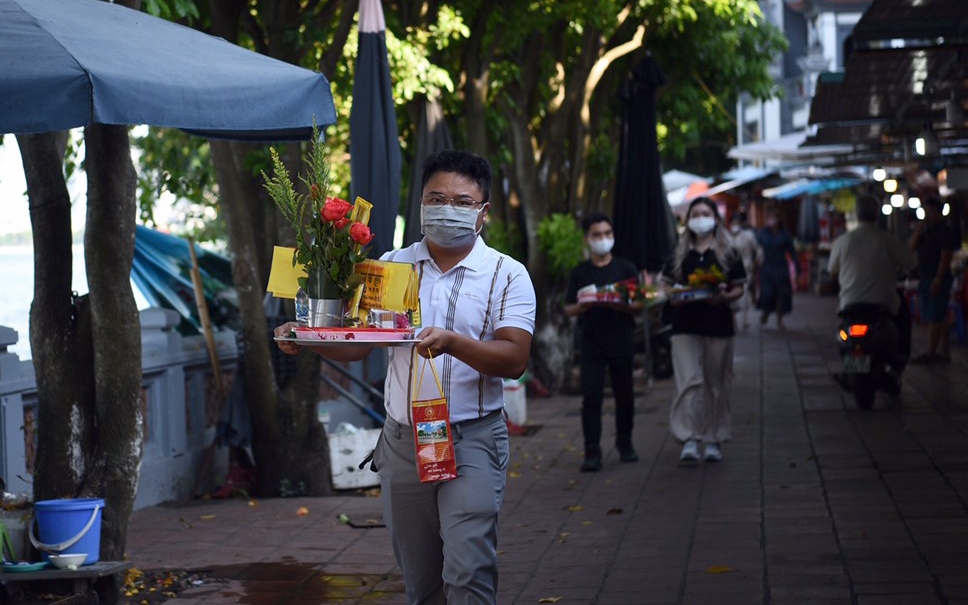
562,241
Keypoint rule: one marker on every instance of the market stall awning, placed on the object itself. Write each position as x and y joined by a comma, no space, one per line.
903,79
801,187
788,149
677,179
738,178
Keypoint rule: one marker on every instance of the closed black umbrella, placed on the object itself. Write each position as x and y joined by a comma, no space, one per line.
432,136
374,146
645,228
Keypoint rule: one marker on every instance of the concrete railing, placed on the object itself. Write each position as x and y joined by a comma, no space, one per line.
181,410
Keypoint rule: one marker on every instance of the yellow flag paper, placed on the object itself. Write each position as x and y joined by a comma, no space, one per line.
283,276
387,285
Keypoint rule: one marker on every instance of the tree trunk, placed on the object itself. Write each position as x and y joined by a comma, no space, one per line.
288,441
60,330
116,329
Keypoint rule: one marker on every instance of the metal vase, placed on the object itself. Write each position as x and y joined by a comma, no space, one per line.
326,312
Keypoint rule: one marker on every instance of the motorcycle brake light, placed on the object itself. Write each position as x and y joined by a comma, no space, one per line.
858,330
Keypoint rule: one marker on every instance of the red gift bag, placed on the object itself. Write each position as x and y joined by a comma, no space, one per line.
432,435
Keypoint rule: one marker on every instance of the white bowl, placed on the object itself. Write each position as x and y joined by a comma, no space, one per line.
72,561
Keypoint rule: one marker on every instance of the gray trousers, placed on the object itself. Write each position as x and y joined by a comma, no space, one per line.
444,534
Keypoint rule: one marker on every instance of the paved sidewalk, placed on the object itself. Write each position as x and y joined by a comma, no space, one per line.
815,502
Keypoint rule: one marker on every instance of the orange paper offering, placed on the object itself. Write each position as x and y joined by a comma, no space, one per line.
431,431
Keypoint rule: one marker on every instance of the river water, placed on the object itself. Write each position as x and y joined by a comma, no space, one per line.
17,291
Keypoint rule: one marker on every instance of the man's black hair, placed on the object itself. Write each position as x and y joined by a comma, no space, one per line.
868,208
464,163
594,217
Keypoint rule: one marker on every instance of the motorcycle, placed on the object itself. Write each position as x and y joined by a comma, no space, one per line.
869,343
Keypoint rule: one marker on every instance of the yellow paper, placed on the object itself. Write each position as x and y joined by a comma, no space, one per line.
361,211
283,276
387,285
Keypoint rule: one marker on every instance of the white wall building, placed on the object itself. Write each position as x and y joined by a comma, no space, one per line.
818,33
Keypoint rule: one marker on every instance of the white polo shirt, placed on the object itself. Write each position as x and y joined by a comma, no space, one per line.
484,292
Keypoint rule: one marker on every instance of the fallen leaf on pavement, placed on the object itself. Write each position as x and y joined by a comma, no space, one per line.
615,511
719,569
550,599
207,517
575,508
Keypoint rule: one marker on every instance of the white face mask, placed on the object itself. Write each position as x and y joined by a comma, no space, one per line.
449,226
701,225
601,247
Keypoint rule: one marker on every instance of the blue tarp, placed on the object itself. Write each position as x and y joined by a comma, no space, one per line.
162,272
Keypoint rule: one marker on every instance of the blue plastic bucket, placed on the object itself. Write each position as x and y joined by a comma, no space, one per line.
68,527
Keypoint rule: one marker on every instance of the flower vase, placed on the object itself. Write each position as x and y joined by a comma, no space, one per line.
326,312
326,304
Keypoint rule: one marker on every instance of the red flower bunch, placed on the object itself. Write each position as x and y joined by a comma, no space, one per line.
330,239
632,291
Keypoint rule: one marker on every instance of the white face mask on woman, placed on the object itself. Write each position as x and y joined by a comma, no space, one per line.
601,247
701,225
449,226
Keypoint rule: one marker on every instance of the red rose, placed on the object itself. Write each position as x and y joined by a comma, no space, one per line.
335,209
361,234
340,223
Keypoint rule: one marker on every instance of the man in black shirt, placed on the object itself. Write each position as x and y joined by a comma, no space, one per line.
606,340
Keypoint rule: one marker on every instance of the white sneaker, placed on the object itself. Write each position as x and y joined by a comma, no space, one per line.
690,452
712,453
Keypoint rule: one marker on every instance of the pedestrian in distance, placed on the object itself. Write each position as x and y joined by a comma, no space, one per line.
606,341
775,279
703,327
934,241
478,312
744,240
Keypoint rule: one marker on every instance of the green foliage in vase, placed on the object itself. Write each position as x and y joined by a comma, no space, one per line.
330,238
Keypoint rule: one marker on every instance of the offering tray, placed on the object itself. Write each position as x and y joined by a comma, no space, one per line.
322,337
600,297
685,293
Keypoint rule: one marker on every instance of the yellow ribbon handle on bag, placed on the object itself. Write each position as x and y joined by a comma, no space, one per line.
418,374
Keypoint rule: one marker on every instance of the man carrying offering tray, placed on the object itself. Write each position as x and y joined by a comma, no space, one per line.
474,325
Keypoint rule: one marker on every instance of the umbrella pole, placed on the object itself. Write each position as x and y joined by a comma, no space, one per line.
213,359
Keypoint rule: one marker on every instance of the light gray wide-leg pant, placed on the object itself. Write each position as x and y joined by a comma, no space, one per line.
704,373
444,534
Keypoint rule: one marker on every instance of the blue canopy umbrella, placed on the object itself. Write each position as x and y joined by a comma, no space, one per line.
374,146
72,63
